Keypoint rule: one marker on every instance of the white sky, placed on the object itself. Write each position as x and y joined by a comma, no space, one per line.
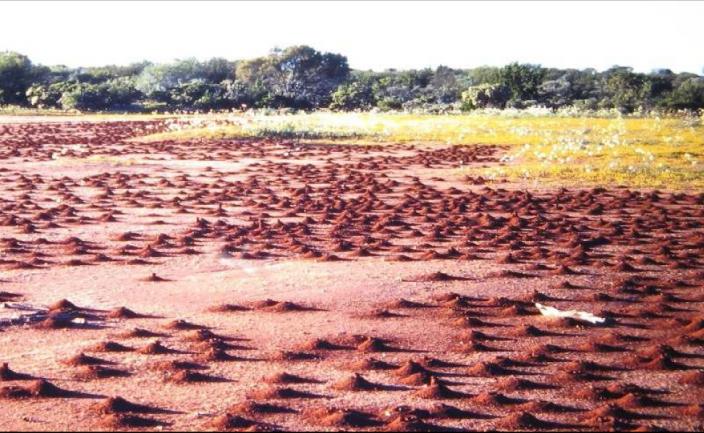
373,35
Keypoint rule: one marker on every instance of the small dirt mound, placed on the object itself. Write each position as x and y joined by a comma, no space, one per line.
155,348
83,359
117,421
521,421
90,372
407,423
6,374
44,388
287,378
63,305
434,277
279,306
355,383
141,333
229,422
277,393
123,313
174,365
370,364
495,399
488,369
338,418
189,376
251,408
153,278
183,325
321,344
372,344
111,346
227,308
288,356
436,390
14,392
692,378
121,405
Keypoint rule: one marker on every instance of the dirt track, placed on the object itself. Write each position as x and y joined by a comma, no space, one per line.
367,253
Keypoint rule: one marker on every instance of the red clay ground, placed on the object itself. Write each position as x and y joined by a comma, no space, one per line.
332,287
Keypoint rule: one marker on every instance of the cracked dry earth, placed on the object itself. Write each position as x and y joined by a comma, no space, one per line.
266,285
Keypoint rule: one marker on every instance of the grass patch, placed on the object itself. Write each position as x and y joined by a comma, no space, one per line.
661,152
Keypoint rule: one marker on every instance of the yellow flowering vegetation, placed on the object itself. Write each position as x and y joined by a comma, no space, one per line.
544,148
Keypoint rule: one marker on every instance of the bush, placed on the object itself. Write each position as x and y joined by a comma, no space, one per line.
198,95
119,93
47,95
16,75
356,95
688,96
485,96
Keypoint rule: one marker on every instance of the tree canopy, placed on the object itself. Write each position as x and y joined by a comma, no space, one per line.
302,77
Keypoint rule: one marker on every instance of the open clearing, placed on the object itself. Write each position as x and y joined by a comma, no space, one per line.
273,281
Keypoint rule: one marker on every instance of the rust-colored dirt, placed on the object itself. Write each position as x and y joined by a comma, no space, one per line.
270,285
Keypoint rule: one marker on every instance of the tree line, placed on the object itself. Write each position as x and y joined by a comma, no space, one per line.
301,77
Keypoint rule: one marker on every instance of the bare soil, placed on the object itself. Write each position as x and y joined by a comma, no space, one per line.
270,285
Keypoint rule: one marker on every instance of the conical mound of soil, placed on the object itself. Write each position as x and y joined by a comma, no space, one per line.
436,390
216,355
227,308
434,277
189,376
405,303
153,278
695,410
141,333
287,378
121,405
410,367
488,369
228,422
494,399
123,313
6,374
370,364
522,420
417,379
320,344
90,372
117,421
14,393
43,388
253,408
610,410
83,359
285,355
174,365
511,384
155,348
355,383
340,418
694,378
55,322
111,346
407,423
277,393
63,305
371,344
203,335
283,307
182,325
